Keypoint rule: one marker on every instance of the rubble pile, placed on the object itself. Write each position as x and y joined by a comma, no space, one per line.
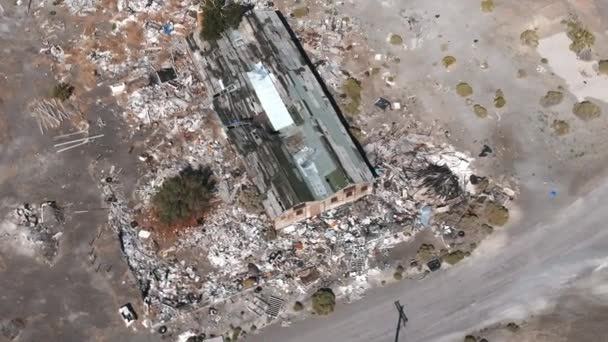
43,224
420,186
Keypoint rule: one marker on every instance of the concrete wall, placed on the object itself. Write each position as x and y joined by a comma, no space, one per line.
306,210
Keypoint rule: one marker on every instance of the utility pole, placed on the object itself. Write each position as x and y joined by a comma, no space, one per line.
402,319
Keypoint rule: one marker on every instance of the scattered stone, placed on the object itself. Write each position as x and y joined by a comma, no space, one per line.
529,38
487,6
499,99
448,61
464,89
480,111
586,110
552,98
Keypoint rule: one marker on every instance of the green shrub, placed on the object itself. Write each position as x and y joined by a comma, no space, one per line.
323,301
181,197
217,18
298,306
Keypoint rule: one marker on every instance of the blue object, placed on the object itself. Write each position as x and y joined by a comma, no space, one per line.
168,28
553,193
425,215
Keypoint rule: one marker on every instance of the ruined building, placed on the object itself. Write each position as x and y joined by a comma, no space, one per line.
283,121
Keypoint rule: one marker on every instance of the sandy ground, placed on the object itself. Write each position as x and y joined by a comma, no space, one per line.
75,299
527,267
554,243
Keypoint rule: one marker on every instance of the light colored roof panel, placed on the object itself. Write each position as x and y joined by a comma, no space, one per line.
269,97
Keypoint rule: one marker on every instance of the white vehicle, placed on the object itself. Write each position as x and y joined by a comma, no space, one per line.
128,314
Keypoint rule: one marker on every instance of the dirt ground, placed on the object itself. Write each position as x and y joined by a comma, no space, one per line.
78,296
76,299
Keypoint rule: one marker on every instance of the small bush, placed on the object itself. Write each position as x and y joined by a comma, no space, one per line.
581,37
470,338
586,110
552,98
395,39
217,18
603,66
487,6
480,111
298,306
496,215
499,99
300,12
62,91
560,127
398,275
352,89
454,257
323,301
464,89
448,61
181,197
529,38
512,327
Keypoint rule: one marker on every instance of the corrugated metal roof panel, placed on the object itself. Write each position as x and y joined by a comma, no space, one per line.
269,97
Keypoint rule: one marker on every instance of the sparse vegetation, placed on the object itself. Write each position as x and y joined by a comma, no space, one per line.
487,6
603,66
185,195
236,332
352,89
544,60
521,73
454,257
395,39
496,215
62,91
464,89
586,110
300,12
529,38
513,327
552,98
217,18
499,99
448,61
323,301
425,252
480,111
581,37
298,306
470,338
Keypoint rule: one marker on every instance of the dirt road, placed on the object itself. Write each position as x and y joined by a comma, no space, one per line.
515,272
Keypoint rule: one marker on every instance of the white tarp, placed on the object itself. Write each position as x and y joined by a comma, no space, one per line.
271,101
